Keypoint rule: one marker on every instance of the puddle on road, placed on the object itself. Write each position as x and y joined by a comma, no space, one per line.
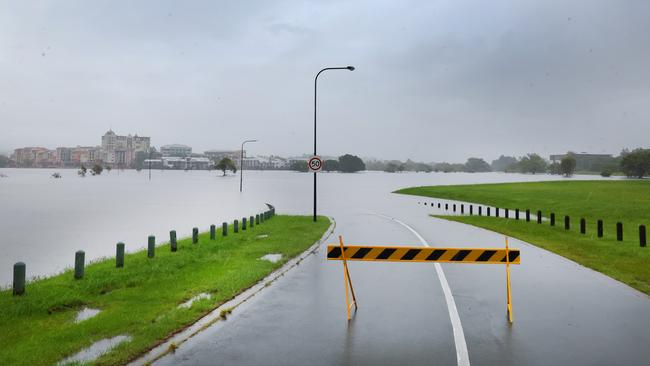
188,303
273,258
95,350
86,313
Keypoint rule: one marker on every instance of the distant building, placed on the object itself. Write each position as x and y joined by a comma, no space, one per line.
252,163
296,159
199,163
122,150
178,163
174,162
85,155
265,162
175,150
153,164
76,156
64,156
277,162
217,155
34,157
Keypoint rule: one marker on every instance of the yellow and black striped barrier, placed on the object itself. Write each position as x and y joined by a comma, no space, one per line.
375,253
420,254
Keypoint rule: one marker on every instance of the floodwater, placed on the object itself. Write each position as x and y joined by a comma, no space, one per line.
95,350
43,220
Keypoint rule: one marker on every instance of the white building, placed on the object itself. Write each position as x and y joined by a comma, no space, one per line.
175,162
176,150
217,155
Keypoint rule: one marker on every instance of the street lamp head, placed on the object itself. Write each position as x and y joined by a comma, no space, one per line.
351,68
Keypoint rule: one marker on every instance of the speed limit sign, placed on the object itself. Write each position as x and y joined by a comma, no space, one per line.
315,164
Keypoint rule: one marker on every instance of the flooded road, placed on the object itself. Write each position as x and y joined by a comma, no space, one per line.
564,313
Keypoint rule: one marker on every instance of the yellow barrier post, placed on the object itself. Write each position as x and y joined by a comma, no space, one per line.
377,253
508,281
348,281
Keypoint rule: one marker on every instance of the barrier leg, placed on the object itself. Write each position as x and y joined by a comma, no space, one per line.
508,282
348,282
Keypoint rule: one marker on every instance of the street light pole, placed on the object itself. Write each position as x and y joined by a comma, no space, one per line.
351,68
149,163
241,164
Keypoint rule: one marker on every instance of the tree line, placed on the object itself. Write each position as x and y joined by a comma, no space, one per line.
345,164
634,164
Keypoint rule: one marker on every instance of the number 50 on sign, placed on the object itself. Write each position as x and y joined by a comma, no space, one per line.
315,164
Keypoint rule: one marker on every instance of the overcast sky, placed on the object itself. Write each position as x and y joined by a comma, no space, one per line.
435,80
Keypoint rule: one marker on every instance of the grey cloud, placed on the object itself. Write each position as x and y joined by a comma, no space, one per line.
440,80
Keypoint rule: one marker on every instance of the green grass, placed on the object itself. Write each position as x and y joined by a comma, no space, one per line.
142,298
627,201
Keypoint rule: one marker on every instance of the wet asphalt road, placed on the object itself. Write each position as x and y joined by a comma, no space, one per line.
564,314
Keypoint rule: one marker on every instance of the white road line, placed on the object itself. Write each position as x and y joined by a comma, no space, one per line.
462,356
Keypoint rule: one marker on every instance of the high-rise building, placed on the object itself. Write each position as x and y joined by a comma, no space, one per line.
122,150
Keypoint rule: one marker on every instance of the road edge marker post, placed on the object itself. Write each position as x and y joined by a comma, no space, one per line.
348,282
509,299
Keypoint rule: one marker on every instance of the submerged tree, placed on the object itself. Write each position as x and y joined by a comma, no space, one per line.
96,169
82,171
299,166
351,163
568,165
532,163
331,165
391,168
477,165
226,164
636,163
4,161
504,163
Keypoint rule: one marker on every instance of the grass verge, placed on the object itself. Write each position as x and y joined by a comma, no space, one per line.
625,262
142,298
627,201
